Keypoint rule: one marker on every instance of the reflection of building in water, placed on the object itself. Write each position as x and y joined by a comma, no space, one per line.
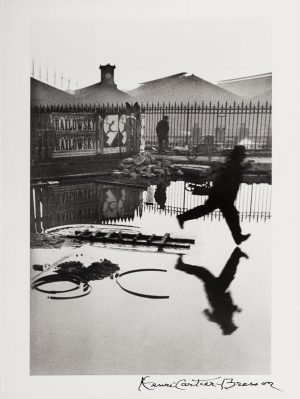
59,205
253,201
83,203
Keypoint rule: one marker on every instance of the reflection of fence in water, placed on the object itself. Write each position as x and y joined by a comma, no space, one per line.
83,203
98,203
253,201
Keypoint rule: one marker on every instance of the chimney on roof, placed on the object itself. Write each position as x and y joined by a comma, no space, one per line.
107,75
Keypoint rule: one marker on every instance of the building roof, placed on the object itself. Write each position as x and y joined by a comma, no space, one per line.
259,76
182,88
100,93
248,87
264,97
44,94
177,75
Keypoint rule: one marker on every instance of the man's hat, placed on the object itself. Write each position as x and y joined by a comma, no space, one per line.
239,150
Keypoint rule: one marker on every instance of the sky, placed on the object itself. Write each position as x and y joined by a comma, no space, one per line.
142,50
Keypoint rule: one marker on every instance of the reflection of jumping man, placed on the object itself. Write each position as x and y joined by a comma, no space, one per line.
219,298
223,194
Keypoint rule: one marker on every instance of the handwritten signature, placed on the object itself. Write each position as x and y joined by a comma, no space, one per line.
217,382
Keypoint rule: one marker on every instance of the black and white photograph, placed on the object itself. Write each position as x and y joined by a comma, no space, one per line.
155,260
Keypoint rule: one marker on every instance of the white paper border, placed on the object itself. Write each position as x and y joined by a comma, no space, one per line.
16,63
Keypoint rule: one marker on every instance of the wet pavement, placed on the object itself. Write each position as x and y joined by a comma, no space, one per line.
203,325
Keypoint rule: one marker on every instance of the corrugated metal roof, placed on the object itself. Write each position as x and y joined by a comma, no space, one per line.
177,75
259,76
249,87
179,88
102,93
44,94
263,97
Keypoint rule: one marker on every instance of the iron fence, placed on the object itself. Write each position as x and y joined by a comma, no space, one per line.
212,127
208,128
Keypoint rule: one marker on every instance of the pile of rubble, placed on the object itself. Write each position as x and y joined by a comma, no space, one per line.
147,166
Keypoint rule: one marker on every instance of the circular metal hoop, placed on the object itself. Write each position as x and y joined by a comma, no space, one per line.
138,293
58,278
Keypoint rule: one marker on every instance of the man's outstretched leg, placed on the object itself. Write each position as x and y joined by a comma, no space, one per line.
231,216
201,272
196,212
227,275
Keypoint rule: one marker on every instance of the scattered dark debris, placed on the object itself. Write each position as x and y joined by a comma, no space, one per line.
95,271
38,268
41,240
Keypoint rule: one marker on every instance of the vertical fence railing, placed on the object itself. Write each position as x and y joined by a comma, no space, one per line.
253,201
209,127
212,126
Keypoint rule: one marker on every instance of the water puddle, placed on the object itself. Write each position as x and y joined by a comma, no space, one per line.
165,309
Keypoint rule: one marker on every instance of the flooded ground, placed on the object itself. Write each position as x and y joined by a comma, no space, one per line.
203,325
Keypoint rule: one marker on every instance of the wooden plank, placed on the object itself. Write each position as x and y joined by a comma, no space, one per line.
86,233
150,238
192,166
122,183
116,240
99,233
132,237
120,235
136,238
159,238
165,238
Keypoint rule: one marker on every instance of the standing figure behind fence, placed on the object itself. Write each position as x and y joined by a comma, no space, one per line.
223,194
162,131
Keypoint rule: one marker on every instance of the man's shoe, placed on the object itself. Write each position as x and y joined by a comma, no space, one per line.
240,253
242,237
179,262
180,222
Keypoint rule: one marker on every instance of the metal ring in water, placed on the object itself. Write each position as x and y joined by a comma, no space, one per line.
138,293
56,278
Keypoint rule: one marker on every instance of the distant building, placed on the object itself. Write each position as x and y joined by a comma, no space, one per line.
251,88
44,94
182,88
266,96
103,92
